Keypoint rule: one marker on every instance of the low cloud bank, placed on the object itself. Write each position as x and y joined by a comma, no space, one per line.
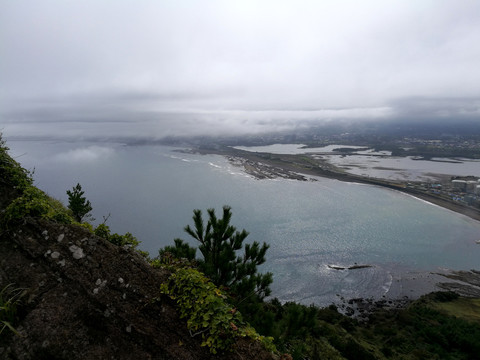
86,154
134,116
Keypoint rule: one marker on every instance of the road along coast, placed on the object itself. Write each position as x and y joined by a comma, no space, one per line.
300,166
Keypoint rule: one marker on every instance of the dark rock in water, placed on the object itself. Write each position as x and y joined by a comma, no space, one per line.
335,267
349,311
353,267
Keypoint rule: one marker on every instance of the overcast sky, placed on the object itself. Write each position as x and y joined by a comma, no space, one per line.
181,67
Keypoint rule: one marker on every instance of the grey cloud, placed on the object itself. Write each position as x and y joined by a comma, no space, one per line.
196,67
437,109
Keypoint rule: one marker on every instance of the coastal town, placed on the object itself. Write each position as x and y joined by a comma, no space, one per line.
457,192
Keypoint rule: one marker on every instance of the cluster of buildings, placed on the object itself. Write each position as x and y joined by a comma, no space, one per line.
467,186
466,190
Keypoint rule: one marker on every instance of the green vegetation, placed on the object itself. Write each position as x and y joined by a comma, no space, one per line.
426,329
181,250
308,331
464,308
219,244
423,332
30,201
200,299
417,332
9,301
78,204
207,312
438,326
128,239
35,203
11,173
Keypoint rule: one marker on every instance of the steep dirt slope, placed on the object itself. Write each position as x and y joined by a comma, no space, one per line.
89,299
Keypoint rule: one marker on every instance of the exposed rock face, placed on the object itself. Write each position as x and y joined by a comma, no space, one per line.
89,299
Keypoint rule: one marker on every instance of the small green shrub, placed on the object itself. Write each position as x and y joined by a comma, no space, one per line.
445,296
78,204
11,172
181,250
35,203
127,239
207,312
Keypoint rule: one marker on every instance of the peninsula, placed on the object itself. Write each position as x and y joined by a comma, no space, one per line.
263,165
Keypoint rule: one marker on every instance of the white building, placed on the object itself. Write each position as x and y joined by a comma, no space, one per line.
459,184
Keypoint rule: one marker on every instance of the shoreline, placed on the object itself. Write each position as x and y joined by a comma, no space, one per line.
268,166
406,286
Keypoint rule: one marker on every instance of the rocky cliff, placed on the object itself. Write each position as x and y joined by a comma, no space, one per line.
85,298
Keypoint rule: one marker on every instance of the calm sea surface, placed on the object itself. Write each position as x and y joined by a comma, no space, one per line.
151,191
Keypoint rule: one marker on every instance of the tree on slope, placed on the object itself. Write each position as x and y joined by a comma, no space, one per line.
220,243
78,204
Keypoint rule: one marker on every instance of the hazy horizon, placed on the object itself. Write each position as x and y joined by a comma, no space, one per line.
187,68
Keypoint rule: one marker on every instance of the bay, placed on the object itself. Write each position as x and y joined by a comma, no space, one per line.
151,191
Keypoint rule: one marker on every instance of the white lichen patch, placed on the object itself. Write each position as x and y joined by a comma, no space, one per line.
61,262
77,252
55,255
120,280
60,237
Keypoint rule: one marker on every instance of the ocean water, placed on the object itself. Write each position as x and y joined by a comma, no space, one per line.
151,191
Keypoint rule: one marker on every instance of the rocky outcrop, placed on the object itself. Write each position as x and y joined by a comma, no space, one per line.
86,298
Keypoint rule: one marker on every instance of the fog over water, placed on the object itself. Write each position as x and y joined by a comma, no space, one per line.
151,191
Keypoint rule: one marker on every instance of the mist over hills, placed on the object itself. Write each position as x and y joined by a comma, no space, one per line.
349,132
